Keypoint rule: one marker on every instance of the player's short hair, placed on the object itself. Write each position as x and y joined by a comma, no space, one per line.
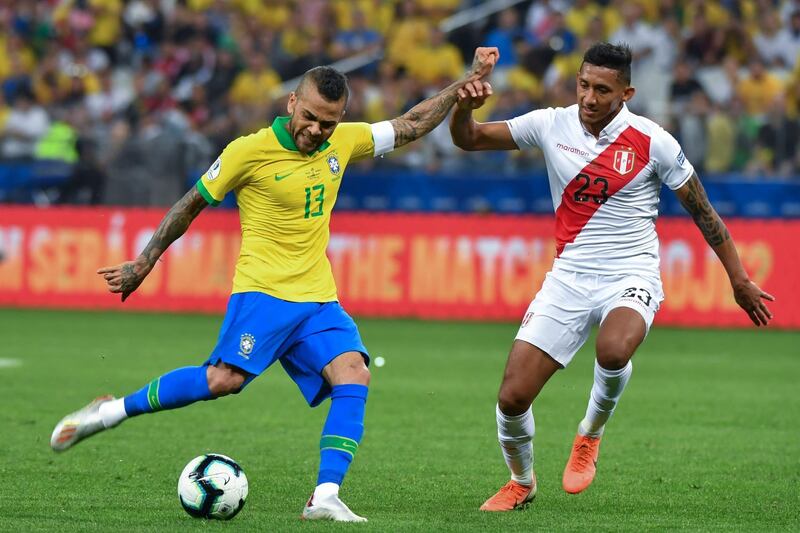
614,56
330,83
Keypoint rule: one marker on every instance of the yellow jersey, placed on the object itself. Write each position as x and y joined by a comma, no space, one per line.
285,200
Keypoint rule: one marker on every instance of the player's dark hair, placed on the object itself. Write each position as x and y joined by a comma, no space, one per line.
614,56
330,83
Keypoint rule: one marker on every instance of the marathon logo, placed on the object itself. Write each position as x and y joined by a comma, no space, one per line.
572,150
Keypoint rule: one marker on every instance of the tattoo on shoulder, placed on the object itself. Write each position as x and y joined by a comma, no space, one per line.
695,201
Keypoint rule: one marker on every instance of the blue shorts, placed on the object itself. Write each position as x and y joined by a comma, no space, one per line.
304,336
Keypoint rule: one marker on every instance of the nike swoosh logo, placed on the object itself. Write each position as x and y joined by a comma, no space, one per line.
279,177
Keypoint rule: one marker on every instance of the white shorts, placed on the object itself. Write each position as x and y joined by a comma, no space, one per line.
561,316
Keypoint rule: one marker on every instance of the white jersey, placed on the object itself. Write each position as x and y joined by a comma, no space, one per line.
605,190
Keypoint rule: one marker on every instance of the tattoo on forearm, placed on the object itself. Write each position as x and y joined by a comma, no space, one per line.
174,224
424,116
697,204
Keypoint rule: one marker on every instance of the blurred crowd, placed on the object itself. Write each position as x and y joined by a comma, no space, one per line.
137,97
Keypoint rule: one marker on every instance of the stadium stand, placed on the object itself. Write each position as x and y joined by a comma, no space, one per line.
126,103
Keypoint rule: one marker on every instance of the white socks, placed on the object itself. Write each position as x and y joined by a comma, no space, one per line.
606,391
325,490
515,434
113,412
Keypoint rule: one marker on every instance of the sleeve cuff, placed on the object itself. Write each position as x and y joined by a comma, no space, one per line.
684,181
201,188
512,128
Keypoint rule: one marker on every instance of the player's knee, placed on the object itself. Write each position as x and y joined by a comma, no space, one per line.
224,380
613,354
347,368
355,372
513,402
360,374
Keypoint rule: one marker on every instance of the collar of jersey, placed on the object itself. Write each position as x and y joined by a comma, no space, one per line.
613,126
285,138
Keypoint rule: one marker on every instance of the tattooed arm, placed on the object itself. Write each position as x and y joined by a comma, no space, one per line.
126,277
747,294
428,114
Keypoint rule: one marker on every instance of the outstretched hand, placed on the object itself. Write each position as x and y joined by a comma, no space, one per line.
751,298
125,277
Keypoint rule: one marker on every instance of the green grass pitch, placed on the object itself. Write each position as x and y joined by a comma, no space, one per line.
707,436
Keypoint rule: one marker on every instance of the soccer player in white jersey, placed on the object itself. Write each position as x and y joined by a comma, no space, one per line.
605,166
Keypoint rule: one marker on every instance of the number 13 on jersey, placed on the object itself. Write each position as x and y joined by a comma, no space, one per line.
315,198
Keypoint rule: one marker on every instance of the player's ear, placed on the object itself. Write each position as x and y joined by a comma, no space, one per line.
292,102
628,93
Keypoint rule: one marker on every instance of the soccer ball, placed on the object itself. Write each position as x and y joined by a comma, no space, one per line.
212,486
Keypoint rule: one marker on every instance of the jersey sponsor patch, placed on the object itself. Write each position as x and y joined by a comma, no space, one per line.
573,150
213,170
681,158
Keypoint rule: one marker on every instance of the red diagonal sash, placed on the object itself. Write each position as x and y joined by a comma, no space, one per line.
598,181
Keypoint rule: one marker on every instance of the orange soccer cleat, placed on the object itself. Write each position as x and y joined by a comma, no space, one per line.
582,464
511,496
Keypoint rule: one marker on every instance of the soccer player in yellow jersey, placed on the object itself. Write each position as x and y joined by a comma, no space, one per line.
284,305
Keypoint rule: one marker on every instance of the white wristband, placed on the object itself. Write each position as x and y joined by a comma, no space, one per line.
383,137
